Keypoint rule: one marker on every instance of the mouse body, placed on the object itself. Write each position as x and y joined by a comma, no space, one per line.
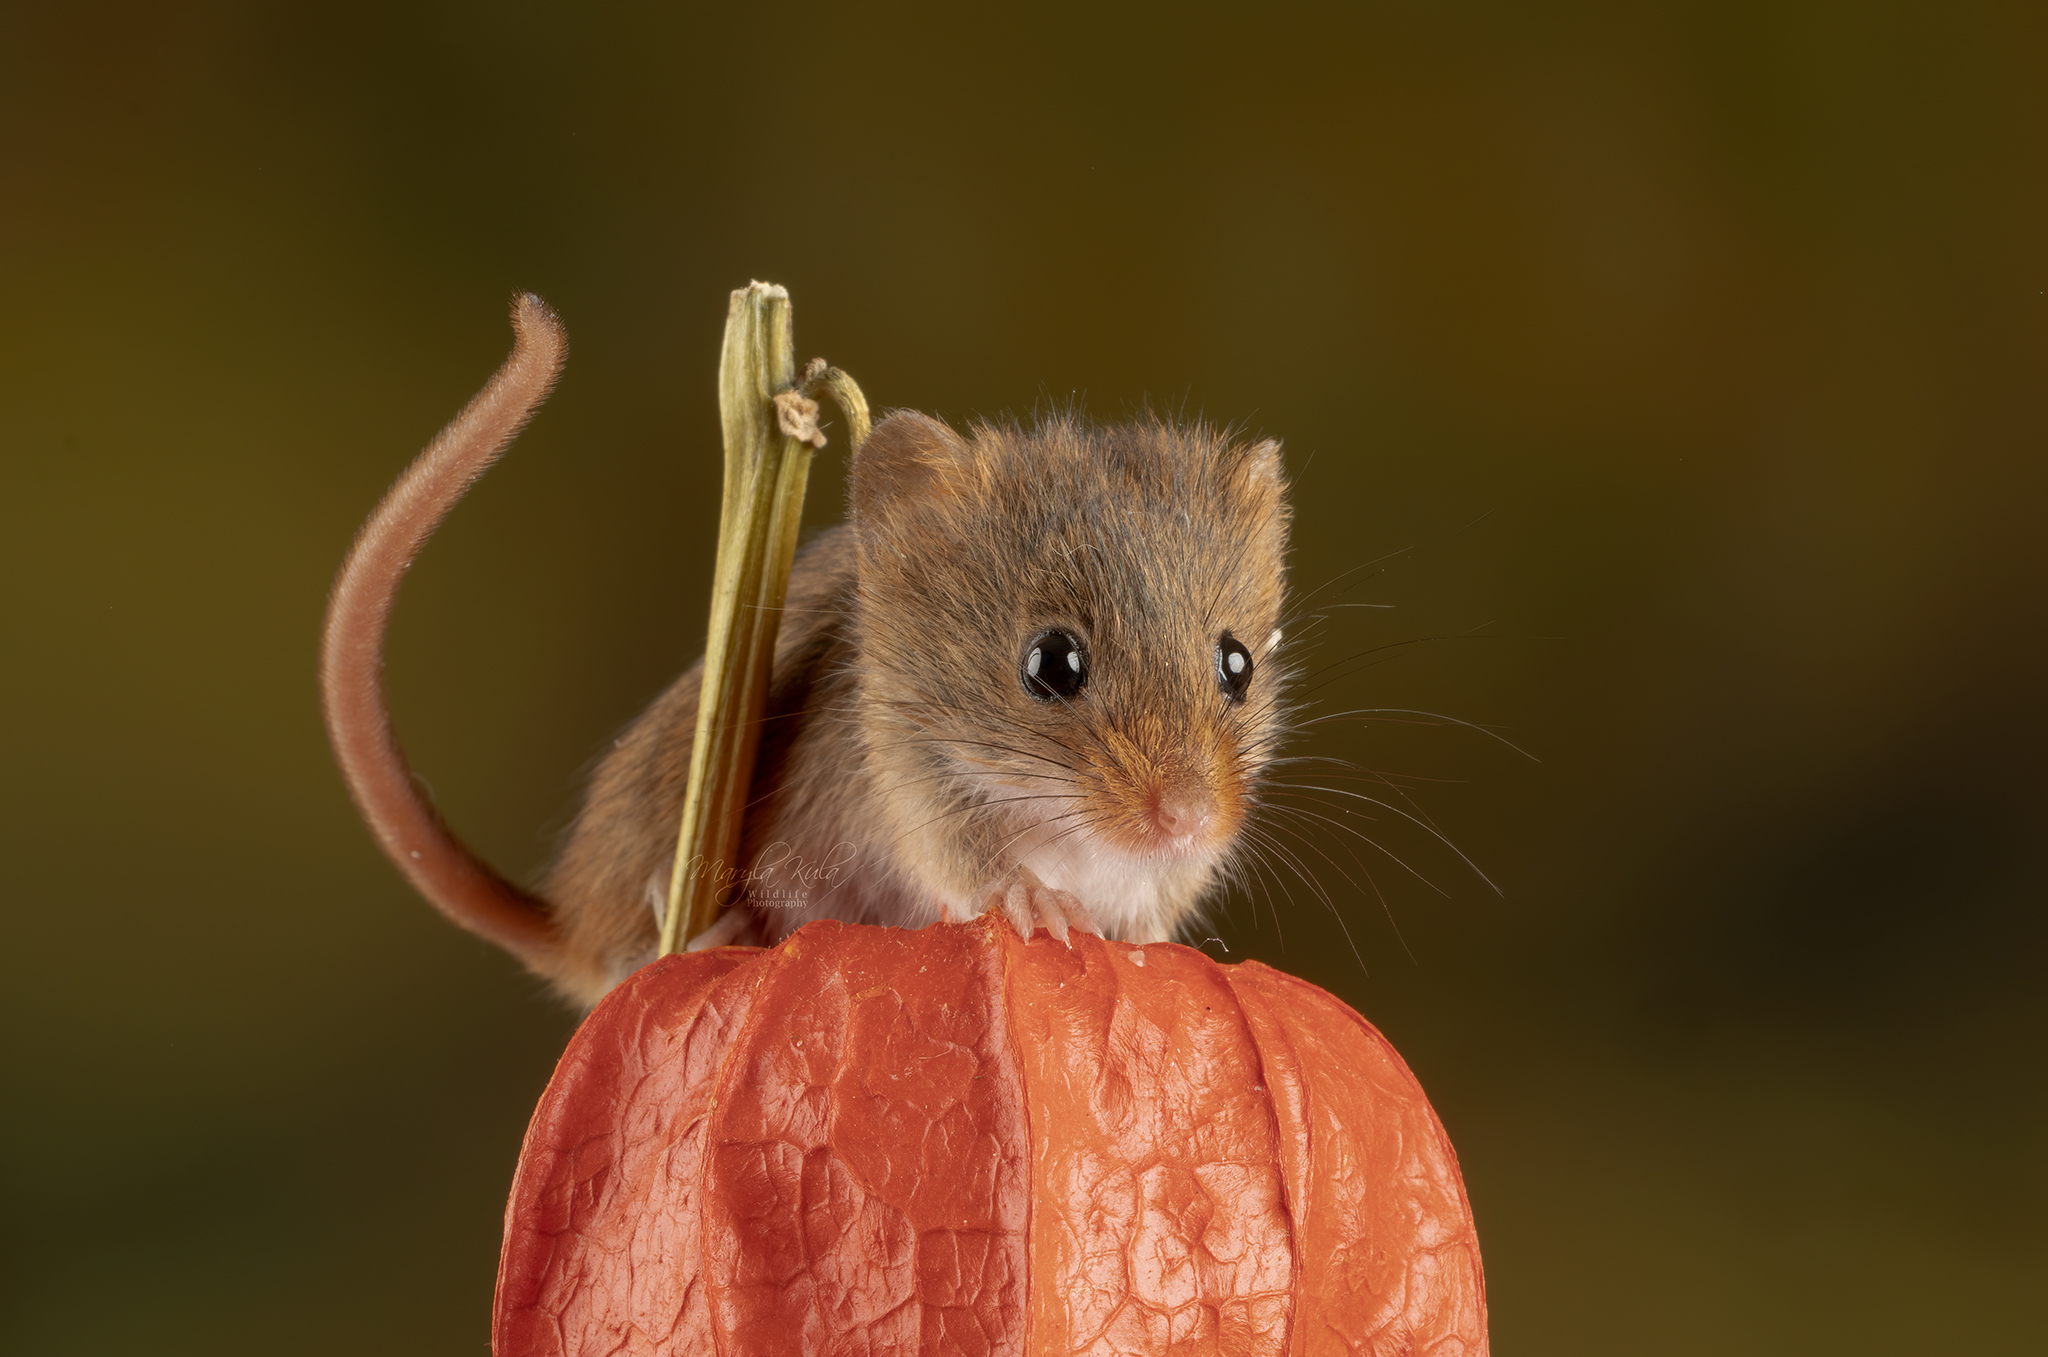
918,764
1035,670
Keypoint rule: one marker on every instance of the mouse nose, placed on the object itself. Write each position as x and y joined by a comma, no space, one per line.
1180,812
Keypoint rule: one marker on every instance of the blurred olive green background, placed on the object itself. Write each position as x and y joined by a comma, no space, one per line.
1689,356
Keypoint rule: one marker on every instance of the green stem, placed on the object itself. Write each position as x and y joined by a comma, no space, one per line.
770,433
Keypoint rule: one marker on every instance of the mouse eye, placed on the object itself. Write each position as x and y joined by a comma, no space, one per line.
1055,666
1233,667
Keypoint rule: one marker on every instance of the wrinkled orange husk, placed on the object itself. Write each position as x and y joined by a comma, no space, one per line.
880,1140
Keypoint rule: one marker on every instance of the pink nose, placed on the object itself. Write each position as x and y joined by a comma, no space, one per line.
1179,814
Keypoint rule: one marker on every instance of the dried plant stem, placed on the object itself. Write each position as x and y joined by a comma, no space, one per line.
770,434
820,376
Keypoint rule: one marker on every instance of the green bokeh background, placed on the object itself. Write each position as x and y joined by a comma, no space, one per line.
1689,357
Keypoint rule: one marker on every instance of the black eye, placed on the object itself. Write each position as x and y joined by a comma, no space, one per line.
1233,667
1054,666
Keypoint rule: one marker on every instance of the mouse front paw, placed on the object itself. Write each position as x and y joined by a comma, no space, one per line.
737,927
1030,904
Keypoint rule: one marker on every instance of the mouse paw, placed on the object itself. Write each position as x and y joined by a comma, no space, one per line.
737,927
1030,904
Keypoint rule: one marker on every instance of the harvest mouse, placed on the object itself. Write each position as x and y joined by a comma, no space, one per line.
1033,671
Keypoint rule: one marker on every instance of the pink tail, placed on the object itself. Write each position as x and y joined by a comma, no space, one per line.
412,834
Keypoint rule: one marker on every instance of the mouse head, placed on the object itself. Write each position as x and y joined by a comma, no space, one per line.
1066,634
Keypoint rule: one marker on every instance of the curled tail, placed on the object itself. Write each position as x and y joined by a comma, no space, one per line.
412,834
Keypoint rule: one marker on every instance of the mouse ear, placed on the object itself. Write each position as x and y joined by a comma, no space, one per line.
1262,462
1259,471
907,457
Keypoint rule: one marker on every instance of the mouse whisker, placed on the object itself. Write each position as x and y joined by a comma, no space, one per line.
1382,651
1399,783
1245,869
1389,714
984,719
955,774
1315,887
977,805
1382,779
1371,881
1359,834
1273,739
1259,862
1415,820
1270,830
988,863
955,742
1346,574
